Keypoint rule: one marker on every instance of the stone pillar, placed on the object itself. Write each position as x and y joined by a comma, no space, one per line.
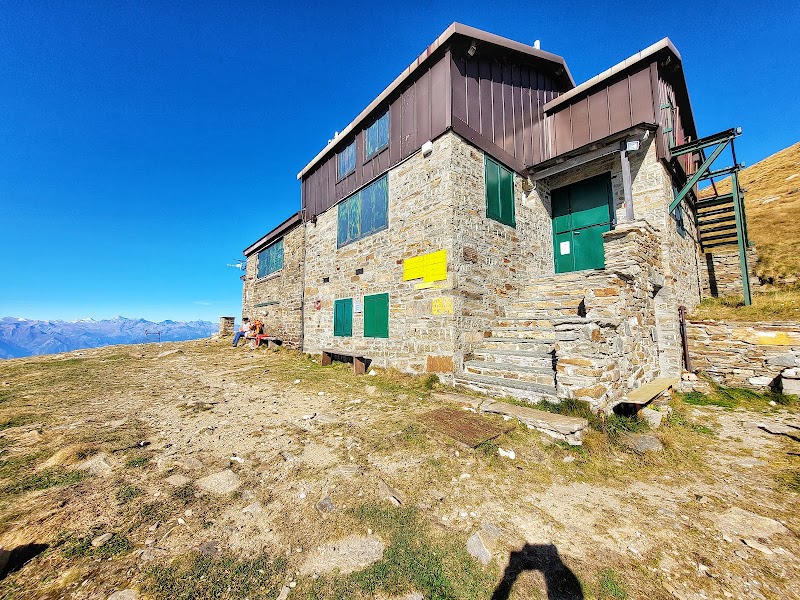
226,326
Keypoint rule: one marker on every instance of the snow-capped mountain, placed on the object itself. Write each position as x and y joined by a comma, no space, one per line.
28,337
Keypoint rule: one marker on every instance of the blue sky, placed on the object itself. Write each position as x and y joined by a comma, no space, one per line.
145,144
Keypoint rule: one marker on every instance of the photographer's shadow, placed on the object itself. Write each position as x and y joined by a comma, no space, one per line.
561,582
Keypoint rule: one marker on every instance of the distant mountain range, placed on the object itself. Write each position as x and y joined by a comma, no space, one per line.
27,337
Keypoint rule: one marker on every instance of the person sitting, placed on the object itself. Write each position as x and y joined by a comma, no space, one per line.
243,331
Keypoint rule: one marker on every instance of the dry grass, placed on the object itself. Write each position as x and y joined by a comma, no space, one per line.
551,491
779,304
772,202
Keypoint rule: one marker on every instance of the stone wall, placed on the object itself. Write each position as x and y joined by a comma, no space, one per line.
743,354
721,272
276,300
651,188
610,351
421,220
492,261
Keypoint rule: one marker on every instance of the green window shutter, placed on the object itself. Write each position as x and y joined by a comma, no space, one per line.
376,316
492,172
499,192
506,194
343,317
363,213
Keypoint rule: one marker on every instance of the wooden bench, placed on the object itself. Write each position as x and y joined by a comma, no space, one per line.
359,362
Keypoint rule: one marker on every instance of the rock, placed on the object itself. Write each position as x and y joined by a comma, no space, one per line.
640,442
100,540
761,382
790,373
177,480
483,543
387,492
477,547
326,505
349,554
784,360
124,595
436,495
569,459
223,482
653,417
790,385
745,524
100,465
252,509
284,593
371,390
507,453
211,548
750,462
190,463
757,546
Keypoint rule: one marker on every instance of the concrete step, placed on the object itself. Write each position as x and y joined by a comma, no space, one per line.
497,386
511,371
510,343
521,358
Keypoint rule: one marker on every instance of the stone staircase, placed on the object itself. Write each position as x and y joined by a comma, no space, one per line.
517,358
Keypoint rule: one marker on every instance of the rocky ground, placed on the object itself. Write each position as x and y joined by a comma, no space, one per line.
194,470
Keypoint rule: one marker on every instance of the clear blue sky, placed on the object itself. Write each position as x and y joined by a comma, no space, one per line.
143,145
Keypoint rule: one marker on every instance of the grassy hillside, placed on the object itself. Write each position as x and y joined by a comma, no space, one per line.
772,202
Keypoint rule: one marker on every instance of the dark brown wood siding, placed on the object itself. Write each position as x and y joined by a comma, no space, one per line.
624,101
502,102
672,112
420,112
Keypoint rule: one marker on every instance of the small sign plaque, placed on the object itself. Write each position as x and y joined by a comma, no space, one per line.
564,248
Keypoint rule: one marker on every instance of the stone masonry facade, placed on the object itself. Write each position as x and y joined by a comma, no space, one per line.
614,328
276,300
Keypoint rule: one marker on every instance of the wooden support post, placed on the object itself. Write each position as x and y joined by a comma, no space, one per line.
359,365
325,360
627,185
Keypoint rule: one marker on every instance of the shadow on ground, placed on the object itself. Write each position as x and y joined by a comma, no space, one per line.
561,582
13,560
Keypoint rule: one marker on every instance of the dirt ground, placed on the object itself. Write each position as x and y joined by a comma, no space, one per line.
227,473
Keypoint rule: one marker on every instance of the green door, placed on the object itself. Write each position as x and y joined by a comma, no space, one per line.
581,214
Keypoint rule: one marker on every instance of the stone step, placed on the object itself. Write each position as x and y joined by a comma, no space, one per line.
497,386
522,358
511,371
510,343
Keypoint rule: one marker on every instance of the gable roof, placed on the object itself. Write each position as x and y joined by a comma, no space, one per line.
454,31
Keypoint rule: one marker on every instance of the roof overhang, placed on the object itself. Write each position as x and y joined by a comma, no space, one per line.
606,146
454,31
277,233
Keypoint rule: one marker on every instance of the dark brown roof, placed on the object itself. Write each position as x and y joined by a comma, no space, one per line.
455,31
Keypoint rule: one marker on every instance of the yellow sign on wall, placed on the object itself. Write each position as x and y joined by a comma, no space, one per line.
442,306
428,267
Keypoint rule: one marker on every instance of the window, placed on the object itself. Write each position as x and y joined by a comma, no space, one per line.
270,259
364,213
377,136
343,317
376,316
346,161
499,192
